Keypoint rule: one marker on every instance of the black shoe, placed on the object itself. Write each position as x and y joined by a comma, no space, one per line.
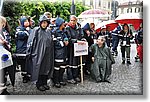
77,79
62,83
128,62
107,81
57,85
26,79
41,88
123,62
99,81
5,92
46,87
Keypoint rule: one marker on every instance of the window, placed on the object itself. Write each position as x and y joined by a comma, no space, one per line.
91,2
129,10
100,3
122,10
137,10
104,4
108,5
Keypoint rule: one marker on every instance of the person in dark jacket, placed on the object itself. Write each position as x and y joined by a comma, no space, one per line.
90,39
40,48
102,61
75,35
108,36
60,54
125,36
22,34
115,39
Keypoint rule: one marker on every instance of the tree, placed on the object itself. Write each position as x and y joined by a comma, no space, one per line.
14,10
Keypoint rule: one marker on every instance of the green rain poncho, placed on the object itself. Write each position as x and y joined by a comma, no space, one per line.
103,60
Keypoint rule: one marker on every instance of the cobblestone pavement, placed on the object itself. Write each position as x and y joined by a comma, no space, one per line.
125,80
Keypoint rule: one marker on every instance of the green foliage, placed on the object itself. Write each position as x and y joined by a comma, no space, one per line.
14,10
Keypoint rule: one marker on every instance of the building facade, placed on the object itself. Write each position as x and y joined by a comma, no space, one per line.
130,7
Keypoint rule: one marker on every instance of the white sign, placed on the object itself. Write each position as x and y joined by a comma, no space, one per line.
80,49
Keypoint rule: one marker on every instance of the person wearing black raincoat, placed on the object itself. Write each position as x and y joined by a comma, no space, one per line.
75,35
60,54
102,60
40,49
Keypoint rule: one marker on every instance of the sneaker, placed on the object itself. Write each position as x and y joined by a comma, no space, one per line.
72,81
46,87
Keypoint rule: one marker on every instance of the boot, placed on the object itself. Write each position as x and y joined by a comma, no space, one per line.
39,83
56,78
41,88
44,78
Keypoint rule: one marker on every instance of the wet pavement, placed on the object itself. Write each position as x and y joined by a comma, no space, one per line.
125,80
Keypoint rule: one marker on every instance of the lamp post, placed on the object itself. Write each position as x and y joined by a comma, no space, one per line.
73,8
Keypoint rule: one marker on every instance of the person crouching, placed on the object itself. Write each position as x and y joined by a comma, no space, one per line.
102,60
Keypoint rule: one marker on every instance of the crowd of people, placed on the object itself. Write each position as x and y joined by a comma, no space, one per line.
47,51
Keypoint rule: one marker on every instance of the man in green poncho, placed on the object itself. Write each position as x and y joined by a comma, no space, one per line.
102,60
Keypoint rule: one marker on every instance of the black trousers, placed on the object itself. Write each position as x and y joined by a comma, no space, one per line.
58,75
42,80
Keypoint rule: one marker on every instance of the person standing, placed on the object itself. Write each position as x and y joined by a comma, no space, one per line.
125,36
4,44
21,37
40,48
88,35
60,54
115,40
75,35
108,36
102,61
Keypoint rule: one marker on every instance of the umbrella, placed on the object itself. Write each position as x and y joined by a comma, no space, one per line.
130,18
93,13
111,23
